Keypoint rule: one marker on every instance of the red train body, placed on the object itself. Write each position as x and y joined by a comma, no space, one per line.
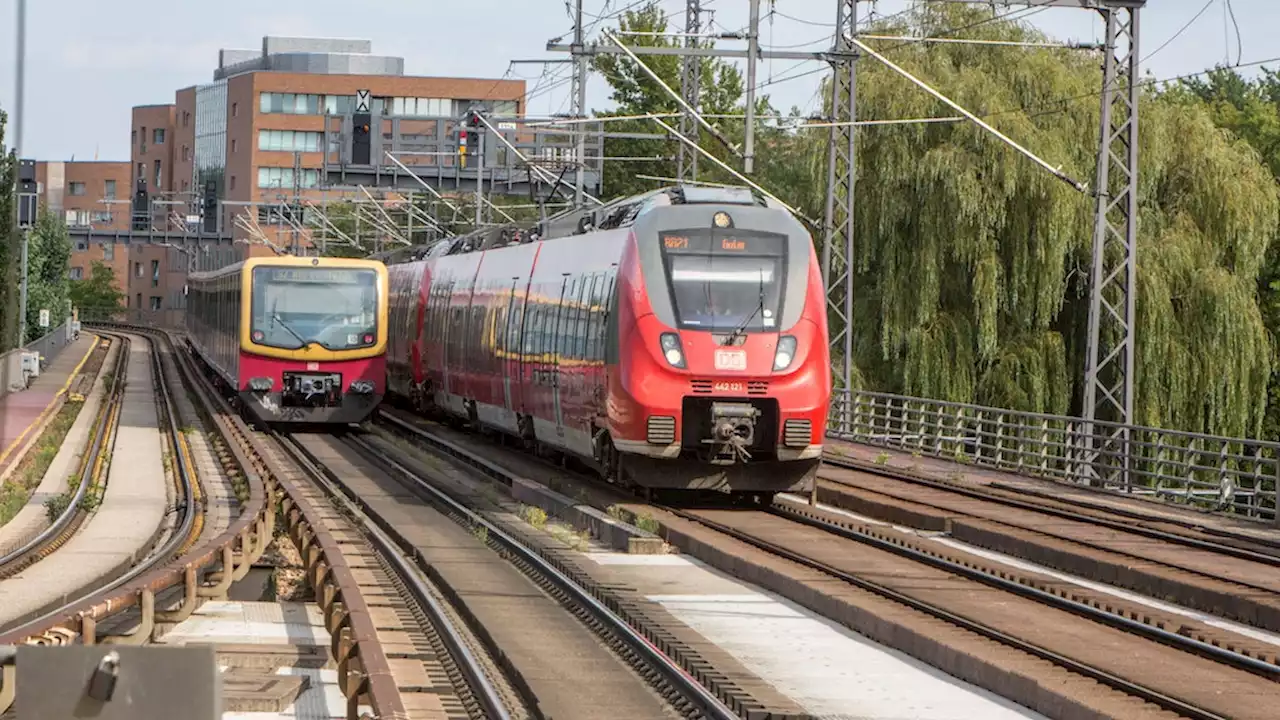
297,340
681,345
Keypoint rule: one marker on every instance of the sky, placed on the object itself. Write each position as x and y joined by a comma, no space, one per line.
89,61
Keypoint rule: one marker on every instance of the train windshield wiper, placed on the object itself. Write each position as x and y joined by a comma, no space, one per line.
275,318
759,309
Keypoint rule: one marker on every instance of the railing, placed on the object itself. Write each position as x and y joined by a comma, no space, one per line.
1206,471
13,375
50,345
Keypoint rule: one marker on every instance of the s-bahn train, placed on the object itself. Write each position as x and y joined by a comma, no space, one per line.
297,339
672,340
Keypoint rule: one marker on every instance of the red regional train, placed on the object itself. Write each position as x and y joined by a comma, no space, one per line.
672,340
297,339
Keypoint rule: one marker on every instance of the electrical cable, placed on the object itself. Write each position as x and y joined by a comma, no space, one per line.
1181,30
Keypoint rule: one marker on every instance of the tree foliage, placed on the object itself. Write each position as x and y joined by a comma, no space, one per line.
10,251
1250,110
48,254
97,296
972,263
635,93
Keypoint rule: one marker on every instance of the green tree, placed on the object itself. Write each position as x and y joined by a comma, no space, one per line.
10,250
1250,110
973,263
97,297
48,254
721,92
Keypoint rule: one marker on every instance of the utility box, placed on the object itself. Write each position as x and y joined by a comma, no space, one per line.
30,364
118,682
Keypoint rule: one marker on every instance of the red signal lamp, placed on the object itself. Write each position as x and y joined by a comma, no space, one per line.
368,337
257,336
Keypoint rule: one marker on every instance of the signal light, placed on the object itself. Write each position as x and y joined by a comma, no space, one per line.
257,336
368,338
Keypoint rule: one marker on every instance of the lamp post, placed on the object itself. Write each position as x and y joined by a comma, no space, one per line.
19,87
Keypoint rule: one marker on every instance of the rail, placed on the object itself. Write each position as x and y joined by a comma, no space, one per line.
707,703
231,553
69,519
1209,472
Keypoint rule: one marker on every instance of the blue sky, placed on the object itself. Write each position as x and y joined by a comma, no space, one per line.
89,61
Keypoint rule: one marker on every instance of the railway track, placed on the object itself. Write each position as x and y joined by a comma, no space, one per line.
408,646
584,625
74,612
50,538
1231,578
1165,527
1104,655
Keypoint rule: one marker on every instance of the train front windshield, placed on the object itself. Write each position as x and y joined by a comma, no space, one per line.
335,308
725,279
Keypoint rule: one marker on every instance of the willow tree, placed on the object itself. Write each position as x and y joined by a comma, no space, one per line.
972,262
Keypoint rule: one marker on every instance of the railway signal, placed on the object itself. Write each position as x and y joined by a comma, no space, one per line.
360,138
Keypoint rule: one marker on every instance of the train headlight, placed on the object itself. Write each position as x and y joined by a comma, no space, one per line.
671,349
785,354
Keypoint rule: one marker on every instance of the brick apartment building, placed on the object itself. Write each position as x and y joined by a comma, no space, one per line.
244,135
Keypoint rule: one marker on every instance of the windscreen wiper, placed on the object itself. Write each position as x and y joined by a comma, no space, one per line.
275,318
759,309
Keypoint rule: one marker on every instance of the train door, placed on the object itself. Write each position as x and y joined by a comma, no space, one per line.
511,346
559,343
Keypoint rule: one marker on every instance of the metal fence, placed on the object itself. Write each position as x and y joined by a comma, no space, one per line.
51,344
1205,471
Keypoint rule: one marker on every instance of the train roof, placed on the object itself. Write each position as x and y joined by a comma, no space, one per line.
288,261
618,213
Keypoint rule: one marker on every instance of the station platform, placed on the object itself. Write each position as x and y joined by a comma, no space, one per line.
877,459
23,414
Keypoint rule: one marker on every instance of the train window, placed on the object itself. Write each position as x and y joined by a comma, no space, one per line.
583,319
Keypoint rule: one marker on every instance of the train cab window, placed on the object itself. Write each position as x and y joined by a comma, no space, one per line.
725,279
333,307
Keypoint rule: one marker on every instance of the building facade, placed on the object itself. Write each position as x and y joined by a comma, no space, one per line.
253,140
88,194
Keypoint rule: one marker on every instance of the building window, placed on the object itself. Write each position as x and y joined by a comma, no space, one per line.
185,185
77,273
137,272
283,178
234,145
291,103
101,217
142,139
77,188
186,118
133,137
235,109
108,251
186,153
289,140
138,297
155,273
421,107
339,104
157,136
157,185
155,302
82,245
232,184
77,218
109,189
